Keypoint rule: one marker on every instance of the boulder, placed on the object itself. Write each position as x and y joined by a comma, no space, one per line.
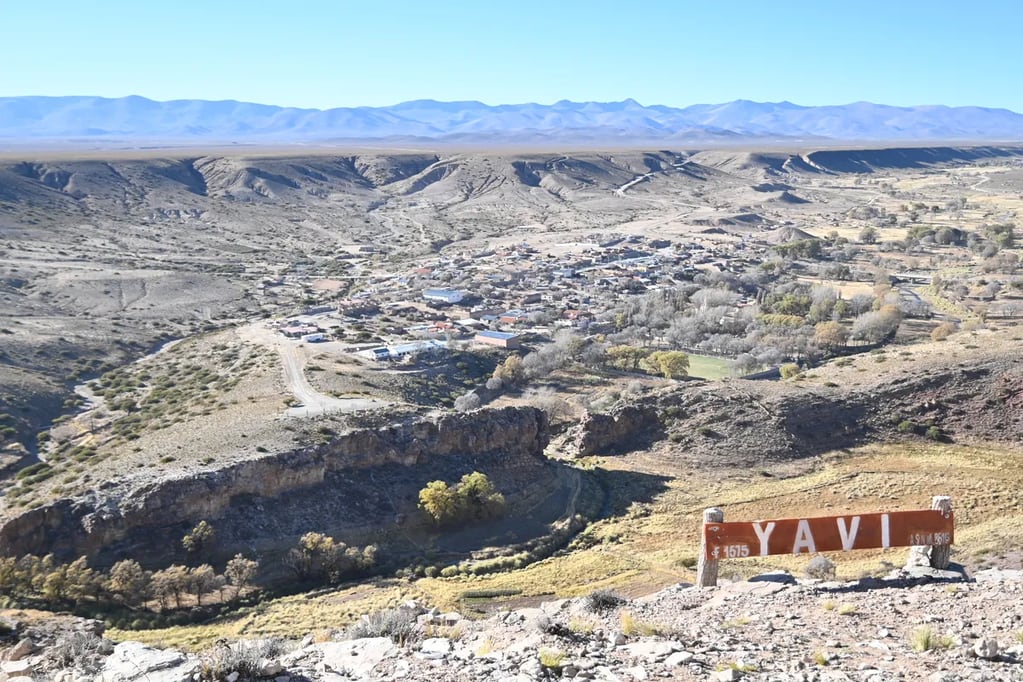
134,661
987,648
679,658
359,656
652,650
22,649
270,667
435,648
16,668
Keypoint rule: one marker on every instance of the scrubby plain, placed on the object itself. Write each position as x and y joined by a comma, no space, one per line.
103,260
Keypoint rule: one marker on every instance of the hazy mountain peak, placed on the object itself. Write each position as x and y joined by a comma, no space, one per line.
135,118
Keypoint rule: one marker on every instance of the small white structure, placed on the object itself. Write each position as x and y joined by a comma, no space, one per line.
403,350
443,295
314,338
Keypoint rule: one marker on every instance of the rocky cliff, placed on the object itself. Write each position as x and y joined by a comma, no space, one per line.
499,439
753,422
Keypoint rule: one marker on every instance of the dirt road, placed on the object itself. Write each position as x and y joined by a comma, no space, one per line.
312,402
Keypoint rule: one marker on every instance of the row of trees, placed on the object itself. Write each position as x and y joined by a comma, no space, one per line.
668,363
322,559
317,558
787,320
126,583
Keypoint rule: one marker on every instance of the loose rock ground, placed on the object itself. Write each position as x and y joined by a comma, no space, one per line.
914,624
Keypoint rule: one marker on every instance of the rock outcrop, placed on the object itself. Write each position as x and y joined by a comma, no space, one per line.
626,426
69,527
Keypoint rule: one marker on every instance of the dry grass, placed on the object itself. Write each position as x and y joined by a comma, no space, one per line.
640,554
924,638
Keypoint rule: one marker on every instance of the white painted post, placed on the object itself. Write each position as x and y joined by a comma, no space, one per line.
941,554
707,569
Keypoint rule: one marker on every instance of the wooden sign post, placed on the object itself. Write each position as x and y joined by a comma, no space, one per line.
932,528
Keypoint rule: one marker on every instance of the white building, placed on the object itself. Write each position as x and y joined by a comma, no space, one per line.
402,350
443,295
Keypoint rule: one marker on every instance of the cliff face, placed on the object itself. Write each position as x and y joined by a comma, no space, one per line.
626,427
511,430
89,524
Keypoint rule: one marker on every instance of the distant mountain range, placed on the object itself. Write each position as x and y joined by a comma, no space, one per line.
136,119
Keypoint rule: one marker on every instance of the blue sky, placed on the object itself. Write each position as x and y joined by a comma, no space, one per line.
315,53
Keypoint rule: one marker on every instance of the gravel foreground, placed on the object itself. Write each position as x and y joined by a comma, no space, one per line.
915,624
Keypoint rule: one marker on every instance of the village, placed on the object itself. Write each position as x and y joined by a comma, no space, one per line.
497,298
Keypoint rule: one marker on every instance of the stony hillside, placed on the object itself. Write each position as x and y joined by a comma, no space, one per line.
963,392
914,624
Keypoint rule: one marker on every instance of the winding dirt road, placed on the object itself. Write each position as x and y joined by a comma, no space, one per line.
312,402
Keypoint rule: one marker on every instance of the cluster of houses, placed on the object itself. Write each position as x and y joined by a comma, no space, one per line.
498,297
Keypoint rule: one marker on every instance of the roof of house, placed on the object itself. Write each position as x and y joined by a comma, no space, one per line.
416,346
504,336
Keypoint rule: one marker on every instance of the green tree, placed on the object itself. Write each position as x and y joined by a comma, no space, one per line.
477,497
671,364
83,581
474,498
510,371
801,248
10,576
439,501
201,580
240,572
626,357
200,539
129,583
868,235
171,582
830,335
55,585
320,557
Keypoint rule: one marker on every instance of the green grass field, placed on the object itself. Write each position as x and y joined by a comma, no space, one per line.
707,367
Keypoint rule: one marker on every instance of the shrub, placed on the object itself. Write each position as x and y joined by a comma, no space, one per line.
76,650
603,601
551,659
924,638
943,331
906,426
789,370
632,627
468,402
581,627
491,594
820,567
934,433
245,658
689,562
399,624
846,610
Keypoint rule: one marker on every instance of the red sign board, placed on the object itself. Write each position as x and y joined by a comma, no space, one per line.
827,534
